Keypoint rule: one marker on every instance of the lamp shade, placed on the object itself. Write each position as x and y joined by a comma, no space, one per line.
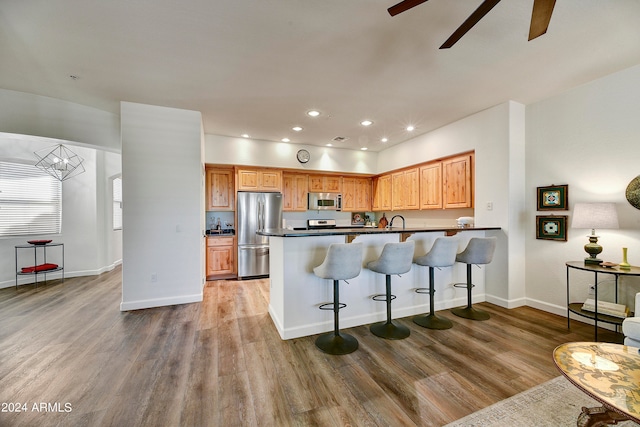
595,215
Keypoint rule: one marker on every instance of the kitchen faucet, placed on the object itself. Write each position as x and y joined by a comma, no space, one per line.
394,217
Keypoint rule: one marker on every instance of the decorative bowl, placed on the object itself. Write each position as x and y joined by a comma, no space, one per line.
39,242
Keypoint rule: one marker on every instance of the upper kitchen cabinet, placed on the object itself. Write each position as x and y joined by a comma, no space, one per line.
325,184
294,190
431,186
356,194
457,181
405,194
220,192
259,179
382,193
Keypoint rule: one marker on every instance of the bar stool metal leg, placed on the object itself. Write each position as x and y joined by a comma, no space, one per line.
469,312
336,342
388,329
430,320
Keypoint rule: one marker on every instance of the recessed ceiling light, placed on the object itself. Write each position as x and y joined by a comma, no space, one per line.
410,128
366,123
364,148
385,139
245,135
313,113
297,128
329,145
285,140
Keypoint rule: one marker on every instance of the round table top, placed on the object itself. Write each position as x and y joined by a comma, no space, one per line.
610,373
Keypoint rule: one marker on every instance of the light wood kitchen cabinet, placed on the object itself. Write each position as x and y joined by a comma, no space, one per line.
294,191
259,180
431,186
325,184
457,182
405,194
356,194
382,193
220,194
221,256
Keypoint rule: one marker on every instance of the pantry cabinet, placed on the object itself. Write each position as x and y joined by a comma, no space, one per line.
294,192
220,191
259,180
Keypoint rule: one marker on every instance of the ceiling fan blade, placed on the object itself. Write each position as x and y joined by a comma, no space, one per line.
404,5
540,17
472,20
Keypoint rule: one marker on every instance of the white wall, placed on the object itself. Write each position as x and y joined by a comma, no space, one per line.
162,173
251,152
28,114
589,139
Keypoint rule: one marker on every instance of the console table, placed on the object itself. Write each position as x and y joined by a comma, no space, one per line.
609,373
34,248
576,307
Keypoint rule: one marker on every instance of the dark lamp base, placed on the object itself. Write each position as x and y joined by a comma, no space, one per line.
592,261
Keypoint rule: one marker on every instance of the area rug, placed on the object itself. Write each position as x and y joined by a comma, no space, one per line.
556,403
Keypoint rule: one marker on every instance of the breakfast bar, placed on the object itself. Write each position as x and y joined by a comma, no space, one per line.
296,293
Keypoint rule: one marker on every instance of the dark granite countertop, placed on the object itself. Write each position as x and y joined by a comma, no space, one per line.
283,232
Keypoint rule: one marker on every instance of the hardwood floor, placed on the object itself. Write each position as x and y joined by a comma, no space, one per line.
222,363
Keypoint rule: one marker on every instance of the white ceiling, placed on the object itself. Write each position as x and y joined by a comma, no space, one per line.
256,66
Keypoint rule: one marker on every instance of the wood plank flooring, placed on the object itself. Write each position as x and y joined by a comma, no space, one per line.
222,363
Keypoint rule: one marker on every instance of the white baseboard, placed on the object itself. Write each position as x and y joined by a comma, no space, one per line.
27,280
160,302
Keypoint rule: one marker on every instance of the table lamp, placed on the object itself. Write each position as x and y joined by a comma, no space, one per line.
594,215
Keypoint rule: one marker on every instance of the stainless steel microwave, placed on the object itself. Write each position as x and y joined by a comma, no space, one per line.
325,202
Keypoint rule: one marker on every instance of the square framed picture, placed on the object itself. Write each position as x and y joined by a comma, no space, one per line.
554,197
552,227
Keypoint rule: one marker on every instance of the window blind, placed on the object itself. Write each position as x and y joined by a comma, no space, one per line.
30,200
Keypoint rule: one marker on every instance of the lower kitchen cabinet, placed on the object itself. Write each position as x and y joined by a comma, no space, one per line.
221,257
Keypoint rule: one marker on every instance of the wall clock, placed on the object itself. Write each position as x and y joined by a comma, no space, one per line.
303,156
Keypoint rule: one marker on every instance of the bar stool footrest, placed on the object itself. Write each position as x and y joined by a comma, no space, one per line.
383,297
423,290
463,285
329,306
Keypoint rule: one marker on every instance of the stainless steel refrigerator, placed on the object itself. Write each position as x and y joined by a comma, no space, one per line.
256,211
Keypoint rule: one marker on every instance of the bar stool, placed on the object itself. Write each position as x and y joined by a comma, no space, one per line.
442,254
479,250
343,261
396,258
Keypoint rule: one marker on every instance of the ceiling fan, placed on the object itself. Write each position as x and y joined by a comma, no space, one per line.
540,17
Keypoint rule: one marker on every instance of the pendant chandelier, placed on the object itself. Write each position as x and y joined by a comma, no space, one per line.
60,162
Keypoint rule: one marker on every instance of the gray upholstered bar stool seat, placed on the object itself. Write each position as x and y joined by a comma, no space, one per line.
442,254
396,258
343,261
479,251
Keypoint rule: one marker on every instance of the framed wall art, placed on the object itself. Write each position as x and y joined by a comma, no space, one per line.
553,227
554,197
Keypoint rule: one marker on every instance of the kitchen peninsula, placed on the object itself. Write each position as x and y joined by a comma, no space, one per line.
296,293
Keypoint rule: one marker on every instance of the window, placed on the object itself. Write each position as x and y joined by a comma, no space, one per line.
117,203
30,200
